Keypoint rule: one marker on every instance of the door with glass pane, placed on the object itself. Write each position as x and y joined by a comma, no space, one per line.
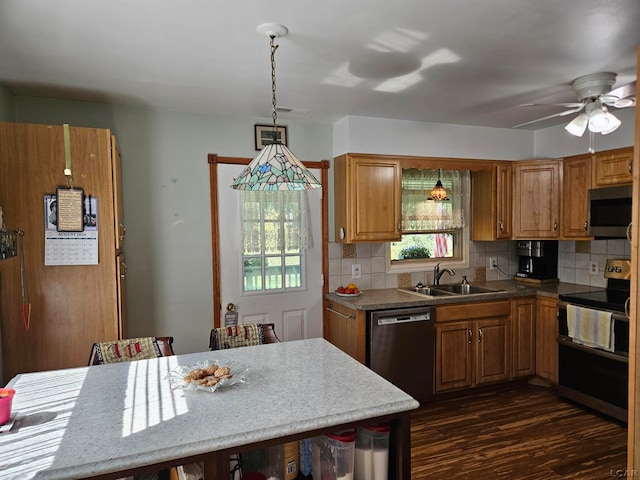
272,271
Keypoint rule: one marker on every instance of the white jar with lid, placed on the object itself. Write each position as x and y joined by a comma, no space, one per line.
372,452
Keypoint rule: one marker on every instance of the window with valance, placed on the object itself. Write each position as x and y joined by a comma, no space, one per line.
432,228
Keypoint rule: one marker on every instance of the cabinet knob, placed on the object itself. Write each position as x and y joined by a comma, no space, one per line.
123,232
555,225
630,167
501,227
469,336
123,270
479,335
586,226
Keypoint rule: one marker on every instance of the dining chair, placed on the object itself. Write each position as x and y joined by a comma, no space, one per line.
130,349
242,335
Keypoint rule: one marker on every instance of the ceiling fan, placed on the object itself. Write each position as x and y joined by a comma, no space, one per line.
595,98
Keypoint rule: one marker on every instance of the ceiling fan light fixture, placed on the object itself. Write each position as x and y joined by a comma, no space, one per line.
599,120
275,167
578,125
614,123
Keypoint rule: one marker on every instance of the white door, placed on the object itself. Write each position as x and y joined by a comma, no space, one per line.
296,314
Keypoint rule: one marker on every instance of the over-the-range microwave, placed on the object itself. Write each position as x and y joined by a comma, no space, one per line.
610,211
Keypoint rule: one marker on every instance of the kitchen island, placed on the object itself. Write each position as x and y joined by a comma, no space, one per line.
110,421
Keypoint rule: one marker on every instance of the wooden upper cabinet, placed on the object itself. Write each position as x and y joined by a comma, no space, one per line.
613,167
368,202
536,212
491,203
576,183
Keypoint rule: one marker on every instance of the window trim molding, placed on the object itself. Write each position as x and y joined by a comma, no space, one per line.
428,263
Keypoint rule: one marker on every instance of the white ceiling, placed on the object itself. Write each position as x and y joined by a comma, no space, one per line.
458,61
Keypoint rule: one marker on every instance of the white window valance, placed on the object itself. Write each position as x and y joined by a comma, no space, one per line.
422,215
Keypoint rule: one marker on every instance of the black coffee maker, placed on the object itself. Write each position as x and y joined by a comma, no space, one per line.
538,259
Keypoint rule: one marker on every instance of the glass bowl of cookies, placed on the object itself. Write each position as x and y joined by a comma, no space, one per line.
207,375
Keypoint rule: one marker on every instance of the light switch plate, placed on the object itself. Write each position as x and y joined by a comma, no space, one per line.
493,263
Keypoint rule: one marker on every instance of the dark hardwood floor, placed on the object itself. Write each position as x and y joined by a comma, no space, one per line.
521,432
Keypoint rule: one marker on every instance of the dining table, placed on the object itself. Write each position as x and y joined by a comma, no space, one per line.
116,420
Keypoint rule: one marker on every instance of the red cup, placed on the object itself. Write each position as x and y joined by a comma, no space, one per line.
6,399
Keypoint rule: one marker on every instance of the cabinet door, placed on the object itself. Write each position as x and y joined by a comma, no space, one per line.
492,203
118,209
504,199
345,328
537,199
613,167
368,199
121,292
523,336
546,339
492,350
454,347
576,183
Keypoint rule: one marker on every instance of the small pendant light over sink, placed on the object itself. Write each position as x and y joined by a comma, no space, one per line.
275,167
438,192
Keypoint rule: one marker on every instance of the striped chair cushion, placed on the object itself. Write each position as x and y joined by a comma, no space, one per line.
236,336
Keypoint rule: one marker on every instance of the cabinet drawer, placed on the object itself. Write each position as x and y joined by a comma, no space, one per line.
465,311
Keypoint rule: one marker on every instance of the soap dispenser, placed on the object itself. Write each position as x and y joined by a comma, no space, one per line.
465,284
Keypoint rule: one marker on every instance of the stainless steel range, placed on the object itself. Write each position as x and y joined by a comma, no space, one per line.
593,344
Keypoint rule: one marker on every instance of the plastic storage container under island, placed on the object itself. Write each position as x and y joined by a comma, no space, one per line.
372,452
333,456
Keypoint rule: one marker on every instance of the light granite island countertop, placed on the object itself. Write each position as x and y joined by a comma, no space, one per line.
109,421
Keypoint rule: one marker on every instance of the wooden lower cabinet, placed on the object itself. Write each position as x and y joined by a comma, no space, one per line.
472,345
546,339
523,337
346,329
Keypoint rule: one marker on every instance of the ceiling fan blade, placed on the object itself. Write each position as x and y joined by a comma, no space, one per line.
621,97
560,114
568,105
625,91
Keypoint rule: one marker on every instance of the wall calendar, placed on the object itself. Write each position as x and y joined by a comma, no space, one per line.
71,248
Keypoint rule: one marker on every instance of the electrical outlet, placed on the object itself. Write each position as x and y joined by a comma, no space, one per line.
593,268
356,270
493,263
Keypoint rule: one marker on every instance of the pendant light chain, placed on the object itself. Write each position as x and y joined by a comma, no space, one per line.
274,114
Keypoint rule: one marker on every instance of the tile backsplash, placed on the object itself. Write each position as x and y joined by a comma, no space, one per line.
574,263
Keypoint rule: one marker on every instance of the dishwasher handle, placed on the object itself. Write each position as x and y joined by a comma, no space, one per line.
403,319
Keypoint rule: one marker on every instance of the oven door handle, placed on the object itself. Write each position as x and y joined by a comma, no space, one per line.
566,341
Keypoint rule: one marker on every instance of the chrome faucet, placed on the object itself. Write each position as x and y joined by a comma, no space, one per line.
437,273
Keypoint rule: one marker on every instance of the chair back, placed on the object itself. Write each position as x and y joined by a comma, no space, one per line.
242,336
130,349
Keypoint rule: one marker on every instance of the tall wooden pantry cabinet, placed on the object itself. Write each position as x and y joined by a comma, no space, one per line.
72,304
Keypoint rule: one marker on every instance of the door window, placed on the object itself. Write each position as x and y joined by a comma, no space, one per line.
274,238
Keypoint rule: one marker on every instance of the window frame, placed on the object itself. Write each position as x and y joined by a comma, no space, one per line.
425,264
282,221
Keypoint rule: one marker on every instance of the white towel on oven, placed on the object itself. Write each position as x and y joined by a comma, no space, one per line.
590,327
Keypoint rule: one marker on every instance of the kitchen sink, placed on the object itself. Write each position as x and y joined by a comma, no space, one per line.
460,289
448,290
428,291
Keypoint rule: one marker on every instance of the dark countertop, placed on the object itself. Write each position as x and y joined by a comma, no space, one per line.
394,298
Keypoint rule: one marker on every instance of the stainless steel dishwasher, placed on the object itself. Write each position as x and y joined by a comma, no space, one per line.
401,348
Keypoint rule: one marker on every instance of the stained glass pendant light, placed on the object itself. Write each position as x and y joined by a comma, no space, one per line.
438,192
275,167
